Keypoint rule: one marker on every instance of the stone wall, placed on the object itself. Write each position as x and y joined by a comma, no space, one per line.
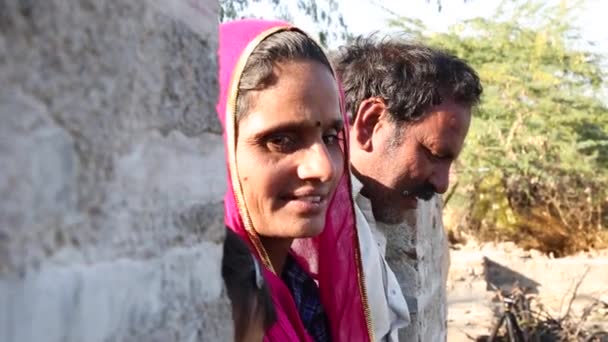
417,251
112,172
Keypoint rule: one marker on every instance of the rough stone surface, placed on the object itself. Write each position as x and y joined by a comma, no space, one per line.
417,251
112,172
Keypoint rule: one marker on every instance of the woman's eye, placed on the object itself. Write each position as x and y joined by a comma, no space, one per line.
281,143
331,138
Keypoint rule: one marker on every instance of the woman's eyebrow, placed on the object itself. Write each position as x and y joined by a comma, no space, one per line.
292,126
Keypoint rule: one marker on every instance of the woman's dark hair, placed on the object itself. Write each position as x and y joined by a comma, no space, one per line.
247,290
259,74
408,76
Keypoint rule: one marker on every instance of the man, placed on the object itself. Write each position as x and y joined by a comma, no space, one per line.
410,109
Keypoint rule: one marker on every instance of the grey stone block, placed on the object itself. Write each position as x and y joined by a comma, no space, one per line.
112,172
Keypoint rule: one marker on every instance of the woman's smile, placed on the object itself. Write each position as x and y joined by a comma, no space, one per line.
307,203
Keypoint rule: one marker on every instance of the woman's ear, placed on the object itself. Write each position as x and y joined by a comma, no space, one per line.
365,124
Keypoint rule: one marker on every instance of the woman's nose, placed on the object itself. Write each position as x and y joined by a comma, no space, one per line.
317,163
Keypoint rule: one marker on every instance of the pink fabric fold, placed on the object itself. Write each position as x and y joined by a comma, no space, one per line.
332,258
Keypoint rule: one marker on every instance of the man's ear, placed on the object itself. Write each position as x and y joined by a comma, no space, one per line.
368,117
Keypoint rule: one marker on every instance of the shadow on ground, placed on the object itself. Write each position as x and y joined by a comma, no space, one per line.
505,279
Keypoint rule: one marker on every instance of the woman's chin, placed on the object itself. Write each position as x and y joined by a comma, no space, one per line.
312,227
295,225
309,232
306,229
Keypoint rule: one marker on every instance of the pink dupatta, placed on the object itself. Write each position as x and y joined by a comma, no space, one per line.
333,257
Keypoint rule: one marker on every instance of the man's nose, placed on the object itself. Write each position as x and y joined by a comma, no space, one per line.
441,178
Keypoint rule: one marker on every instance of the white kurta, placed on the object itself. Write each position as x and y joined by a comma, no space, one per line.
389,311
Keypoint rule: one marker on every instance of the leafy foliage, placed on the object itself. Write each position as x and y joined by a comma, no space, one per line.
324,14
535,169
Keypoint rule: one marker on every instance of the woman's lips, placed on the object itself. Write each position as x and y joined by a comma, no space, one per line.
307,204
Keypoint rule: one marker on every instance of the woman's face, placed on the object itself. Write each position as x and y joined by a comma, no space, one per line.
289,155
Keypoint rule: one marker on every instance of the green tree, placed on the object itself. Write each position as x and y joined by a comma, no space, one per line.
535,168
324,14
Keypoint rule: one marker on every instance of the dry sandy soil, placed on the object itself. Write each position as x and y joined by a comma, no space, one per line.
475,268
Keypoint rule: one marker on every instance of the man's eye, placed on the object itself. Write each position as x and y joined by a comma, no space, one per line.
432,155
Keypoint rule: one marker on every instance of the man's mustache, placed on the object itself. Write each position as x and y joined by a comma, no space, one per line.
424,192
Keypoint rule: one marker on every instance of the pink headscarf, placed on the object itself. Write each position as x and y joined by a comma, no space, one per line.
333,257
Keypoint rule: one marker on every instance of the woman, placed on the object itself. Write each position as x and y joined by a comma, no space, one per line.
289,192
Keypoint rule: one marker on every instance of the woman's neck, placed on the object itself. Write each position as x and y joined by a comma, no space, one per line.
277,250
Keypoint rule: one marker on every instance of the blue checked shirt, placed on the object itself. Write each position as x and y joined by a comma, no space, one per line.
308,302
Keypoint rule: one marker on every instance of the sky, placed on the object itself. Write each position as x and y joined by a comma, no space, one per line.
363,16
366,17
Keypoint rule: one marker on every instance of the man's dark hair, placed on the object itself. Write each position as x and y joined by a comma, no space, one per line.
409,77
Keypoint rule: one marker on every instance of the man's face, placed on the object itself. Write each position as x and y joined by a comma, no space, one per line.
410,162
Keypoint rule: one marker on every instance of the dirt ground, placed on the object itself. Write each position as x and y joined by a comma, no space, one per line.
477,268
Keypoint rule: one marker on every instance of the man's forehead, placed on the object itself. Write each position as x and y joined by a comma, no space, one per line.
448,116
445,128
